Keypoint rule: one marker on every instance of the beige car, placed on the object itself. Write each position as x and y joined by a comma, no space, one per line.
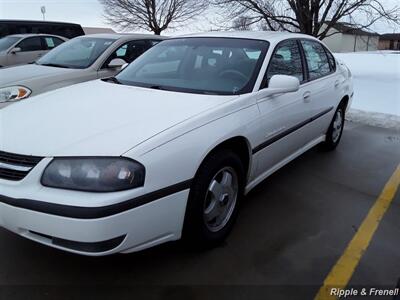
23,49
78,60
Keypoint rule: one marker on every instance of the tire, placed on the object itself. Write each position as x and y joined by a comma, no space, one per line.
335,131
200,228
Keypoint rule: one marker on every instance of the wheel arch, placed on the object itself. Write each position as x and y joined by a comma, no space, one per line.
345,102
240,145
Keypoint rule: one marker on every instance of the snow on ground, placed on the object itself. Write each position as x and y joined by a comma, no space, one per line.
376,78
373,118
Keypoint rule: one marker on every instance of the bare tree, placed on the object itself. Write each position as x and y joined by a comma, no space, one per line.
151,15
242,23
313,17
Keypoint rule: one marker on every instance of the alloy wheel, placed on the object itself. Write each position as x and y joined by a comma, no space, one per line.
221,199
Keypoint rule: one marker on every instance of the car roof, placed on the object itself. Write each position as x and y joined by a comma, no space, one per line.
25,35
125,36
256,35
37,22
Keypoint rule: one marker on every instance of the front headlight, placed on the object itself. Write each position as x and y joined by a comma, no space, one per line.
94,174
14,93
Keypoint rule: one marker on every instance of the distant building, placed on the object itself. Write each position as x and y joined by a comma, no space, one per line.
389,41
94,30
345,38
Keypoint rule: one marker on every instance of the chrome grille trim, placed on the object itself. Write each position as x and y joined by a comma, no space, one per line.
15,167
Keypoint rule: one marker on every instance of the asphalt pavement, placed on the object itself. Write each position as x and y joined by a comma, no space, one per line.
291,231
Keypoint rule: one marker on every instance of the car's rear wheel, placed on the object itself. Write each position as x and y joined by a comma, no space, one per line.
335,131
214,199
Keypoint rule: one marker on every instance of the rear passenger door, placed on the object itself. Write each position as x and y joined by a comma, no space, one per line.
323,84
281,133
31,49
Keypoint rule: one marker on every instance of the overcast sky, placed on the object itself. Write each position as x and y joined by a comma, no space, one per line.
89,13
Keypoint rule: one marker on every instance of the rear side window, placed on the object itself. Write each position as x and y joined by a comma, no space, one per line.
31,44
332,62
317,59
286,60
19,27
52,42
65,30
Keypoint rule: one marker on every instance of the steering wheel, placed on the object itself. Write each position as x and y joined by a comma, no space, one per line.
234,74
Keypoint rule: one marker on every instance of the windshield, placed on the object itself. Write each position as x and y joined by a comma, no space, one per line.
222,66
78,53
7,42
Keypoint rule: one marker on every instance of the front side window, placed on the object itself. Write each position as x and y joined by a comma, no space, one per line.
317,60
222,66
286,60
154,42
31,44
7,42
129,51
79,53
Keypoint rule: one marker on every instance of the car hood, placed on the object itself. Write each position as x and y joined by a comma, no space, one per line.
96,119
18,74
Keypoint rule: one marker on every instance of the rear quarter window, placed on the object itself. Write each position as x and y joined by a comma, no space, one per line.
316,58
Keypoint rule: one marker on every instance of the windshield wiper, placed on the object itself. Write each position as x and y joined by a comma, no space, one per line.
112,79
158,87
55,65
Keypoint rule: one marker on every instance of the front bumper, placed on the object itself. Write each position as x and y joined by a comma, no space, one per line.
94,232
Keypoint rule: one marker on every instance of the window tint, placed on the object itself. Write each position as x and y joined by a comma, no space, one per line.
129,51
317,60
4,30
31,44
16,27
286,60
52,42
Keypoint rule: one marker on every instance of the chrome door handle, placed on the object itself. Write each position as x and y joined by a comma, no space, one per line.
307,97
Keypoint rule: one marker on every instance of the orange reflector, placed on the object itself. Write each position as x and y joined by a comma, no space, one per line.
22,93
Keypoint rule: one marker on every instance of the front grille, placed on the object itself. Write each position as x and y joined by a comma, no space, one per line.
16,166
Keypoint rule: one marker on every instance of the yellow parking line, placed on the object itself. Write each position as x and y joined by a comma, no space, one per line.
343,270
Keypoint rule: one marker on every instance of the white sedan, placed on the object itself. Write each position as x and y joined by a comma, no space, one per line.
167,148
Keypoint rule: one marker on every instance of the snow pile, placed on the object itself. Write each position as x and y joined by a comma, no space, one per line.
373,118
376,78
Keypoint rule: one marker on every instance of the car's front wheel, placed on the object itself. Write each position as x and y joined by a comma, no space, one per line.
335,130
214,198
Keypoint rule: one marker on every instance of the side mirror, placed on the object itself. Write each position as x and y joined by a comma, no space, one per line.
15,50
117,63
284,84
281,84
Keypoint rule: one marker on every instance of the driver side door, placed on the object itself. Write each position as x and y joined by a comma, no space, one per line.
31,49
281,116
